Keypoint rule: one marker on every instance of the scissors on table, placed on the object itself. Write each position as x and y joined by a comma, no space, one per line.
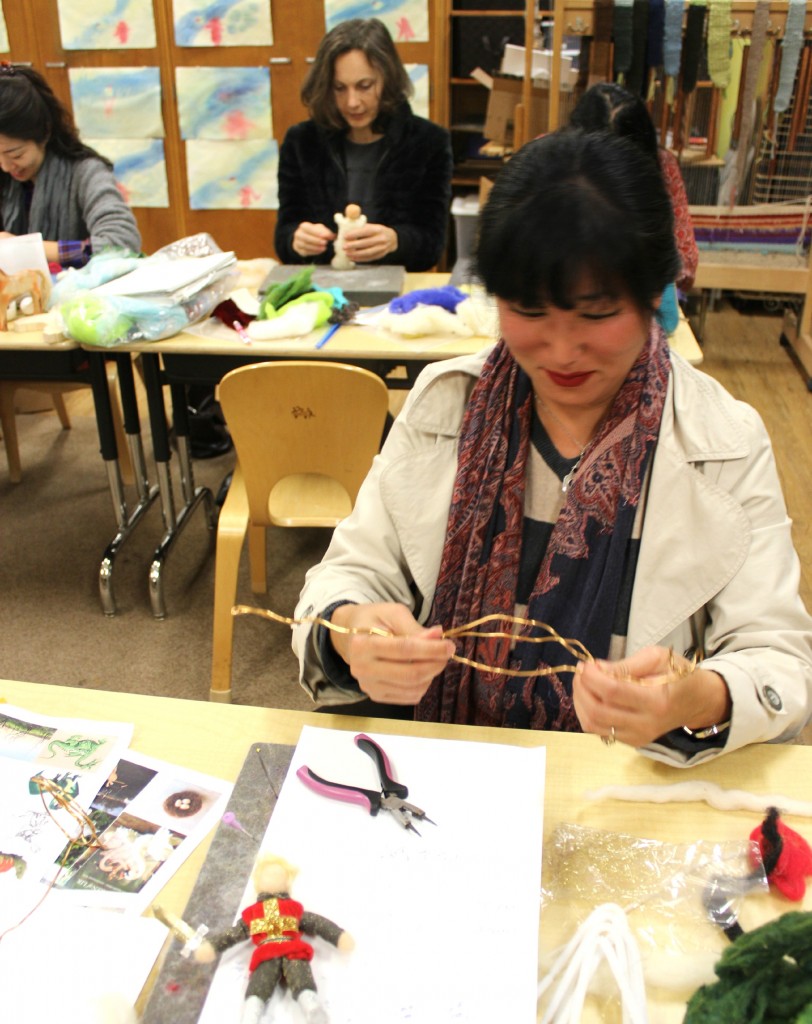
392,794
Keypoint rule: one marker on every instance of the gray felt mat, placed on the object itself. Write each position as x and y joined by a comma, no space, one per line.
182,985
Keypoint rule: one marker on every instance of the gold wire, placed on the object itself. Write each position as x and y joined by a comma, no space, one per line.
575,647
84,822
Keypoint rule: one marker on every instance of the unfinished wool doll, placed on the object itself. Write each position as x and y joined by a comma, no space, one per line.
275,924
347,221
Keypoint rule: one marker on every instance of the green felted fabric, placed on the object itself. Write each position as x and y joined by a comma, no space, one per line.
765,977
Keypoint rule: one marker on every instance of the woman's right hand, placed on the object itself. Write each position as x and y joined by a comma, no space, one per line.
396,669
311,239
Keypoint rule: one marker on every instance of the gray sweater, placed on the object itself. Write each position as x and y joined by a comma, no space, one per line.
72,200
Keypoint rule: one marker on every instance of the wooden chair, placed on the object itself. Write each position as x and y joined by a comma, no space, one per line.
57,389
305,434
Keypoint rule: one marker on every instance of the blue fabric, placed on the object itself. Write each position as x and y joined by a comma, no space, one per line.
448,297
668,313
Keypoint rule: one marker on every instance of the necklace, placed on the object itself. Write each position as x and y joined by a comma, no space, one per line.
568,478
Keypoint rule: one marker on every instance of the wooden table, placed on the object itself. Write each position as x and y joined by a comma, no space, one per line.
215,738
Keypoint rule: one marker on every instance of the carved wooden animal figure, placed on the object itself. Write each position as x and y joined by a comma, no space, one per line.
14,287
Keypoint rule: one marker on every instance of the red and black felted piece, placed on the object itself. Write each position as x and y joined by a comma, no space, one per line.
786,855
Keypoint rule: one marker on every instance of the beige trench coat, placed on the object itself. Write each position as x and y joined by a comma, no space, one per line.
717,568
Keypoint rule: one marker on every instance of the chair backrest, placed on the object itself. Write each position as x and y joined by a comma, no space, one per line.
302,416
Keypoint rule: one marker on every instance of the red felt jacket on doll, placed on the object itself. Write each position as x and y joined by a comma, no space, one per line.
274,927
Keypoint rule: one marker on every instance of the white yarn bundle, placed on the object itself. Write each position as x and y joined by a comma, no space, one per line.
605,936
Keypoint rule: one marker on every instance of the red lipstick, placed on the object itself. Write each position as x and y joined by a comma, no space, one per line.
568,380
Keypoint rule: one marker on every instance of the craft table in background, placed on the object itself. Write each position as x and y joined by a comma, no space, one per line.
27,356
215,738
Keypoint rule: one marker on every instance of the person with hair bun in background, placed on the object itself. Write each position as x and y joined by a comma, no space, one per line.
609,107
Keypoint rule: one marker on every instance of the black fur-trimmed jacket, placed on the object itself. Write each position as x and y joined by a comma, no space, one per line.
412,187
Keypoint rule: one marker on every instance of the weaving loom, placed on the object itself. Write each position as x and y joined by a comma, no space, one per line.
763,249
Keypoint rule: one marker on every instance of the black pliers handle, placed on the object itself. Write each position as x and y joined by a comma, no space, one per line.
392,794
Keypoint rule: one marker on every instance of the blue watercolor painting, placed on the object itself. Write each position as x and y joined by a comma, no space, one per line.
232,175
407,20
224,103
223,23
106,24
419,76
117,103
140,169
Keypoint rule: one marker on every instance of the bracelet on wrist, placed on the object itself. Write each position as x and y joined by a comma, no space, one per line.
708,732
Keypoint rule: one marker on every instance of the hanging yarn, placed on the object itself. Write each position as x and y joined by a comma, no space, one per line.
790,54
786,855
720,23
656,28
758,41
672,37
692,47
634,80
605,935
622,35
600,63
765,977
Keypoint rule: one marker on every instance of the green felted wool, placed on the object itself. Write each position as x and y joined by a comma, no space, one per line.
765,977
278,294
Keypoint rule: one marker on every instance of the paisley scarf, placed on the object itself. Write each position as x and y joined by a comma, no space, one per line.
578,588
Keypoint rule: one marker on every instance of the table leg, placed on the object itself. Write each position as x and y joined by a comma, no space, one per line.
125,520
192,496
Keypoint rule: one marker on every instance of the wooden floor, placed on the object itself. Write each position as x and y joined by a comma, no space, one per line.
744,353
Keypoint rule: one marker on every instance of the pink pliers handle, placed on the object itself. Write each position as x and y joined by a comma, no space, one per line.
366,798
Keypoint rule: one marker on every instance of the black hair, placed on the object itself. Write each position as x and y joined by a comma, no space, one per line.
30,111
575,204
372,38
610,107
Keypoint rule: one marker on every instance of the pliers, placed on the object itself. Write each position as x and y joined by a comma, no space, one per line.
392,795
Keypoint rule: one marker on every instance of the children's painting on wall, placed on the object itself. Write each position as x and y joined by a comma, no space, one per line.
419,76
140,169
407,20
4,47
232,175
118,103
223,23
224,103
106,24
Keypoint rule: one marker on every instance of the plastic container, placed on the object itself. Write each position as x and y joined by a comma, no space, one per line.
465,210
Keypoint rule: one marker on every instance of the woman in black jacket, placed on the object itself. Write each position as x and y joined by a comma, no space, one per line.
363,145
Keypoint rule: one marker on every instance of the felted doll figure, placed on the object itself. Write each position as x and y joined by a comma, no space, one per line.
275,924
347,221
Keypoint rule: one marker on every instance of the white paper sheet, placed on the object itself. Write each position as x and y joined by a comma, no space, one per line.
72,964
23,252
446,923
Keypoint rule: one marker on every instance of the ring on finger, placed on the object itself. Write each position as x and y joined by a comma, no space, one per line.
611,738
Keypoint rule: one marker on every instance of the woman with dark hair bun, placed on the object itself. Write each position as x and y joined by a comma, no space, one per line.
363,146
50,181
576,475
609,107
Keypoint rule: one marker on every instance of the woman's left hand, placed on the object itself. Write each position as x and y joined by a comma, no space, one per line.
646,695
370,243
